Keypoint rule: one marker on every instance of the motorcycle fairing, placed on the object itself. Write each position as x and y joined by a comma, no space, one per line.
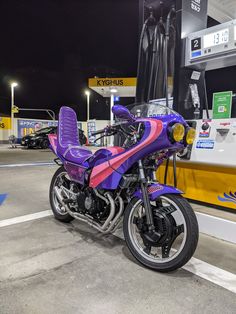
79,172
107,175
156,189
104,154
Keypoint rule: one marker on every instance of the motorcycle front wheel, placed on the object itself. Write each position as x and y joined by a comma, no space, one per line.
176,232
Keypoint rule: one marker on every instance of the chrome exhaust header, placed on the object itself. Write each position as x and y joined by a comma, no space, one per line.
112,221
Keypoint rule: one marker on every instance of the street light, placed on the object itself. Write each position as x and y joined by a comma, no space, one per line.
13,85
113,90
87,93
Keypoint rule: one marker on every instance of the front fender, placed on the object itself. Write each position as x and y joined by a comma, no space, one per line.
155,190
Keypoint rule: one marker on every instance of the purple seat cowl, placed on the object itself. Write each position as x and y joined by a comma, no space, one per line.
68,144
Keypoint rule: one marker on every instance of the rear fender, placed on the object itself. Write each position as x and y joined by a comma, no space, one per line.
156,190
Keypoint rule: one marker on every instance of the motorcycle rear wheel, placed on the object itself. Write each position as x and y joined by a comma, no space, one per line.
57,208
152,256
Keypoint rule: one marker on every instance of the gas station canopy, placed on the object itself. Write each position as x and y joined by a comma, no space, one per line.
122,86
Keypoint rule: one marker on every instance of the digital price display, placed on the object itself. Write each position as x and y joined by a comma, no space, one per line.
207,45
217,38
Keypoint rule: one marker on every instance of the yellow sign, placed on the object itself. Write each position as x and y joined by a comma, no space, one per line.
5,123
15,109
106,82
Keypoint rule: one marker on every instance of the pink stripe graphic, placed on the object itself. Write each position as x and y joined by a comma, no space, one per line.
53,141
102,171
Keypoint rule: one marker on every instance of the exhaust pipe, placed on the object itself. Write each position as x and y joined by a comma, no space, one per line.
111,222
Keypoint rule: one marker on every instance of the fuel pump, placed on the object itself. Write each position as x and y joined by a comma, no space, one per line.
160,69
175,50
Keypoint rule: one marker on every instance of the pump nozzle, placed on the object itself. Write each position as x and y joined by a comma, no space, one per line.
151,17
196,114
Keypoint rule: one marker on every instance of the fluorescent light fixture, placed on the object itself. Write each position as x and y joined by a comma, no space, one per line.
113,90
87,93
14,84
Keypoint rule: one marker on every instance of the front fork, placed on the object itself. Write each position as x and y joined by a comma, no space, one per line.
146,201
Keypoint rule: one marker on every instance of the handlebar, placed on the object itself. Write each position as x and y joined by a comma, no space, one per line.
98,132
111,130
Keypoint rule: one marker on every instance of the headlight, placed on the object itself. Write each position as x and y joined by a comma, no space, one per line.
190,136
177,132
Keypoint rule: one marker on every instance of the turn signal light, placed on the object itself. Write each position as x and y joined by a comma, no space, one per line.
178,132
190,136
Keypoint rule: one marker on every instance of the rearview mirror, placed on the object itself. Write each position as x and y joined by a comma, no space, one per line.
122,113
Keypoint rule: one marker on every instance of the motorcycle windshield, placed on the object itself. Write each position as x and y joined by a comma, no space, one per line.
150,110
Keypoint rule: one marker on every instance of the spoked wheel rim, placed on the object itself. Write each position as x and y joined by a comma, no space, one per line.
59,207
155,255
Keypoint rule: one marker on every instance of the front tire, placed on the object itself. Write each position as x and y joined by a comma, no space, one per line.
189,235
56,206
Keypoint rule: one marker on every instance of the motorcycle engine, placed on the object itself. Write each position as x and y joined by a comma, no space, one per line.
87,203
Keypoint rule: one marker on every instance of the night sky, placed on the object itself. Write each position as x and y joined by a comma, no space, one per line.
51,47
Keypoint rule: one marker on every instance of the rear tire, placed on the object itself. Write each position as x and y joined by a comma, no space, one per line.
54,202
190,244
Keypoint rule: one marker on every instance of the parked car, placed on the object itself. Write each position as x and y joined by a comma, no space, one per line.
39,139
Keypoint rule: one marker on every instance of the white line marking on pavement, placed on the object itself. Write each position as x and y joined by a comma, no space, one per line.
212,273
200,268
28,164
20,219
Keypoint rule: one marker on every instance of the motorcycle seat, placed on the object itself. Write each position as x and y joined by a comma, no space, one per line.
68,145
77,154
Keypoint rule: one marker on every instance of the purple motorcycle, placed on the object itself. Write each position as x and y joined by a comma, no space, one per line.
117,185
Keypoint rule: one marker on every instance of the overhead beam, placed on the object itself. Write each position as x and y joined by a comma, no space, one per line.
221,11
